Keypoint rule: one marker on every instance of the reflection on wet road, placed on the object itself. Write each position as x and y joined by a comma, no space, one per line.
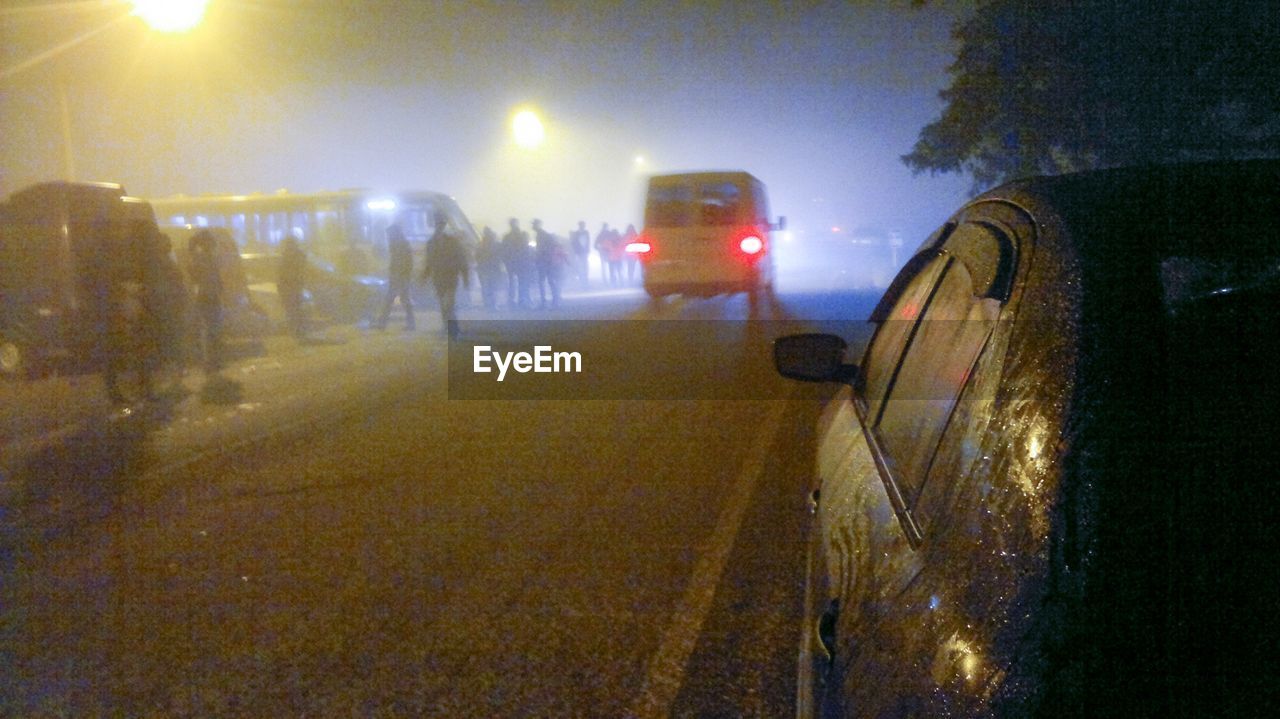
343,538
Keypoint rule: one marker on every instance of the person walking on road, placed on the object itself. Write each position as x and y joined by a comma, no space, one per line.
489,267
580,245
612,252
289,284
604,247
629,258
399,277
550,261
517,257
165,302
446,264
206,284
122,343
124,339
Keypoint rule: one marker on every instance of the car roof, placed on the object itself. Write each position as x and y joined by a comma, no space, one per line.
1222,209
723,175
1106,235
1092,278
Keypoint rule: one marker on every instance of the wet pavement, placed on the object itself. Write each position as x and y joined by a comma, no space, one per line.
340,538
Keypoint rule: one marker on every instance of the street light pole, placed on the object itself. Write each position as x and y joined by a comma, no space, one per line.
68,150
162,15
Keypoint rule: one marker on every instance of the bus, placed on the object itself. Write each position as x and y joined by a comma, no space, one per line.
346,227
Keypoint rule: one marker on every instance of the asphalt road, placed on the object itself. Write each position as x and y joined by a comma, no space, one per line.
370,528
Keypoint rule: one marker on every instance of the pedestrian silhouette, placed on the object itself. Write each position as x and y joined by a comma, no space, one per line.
206,285
127,338
489,267
518,258
165,303
550,260
399,277
609,245
603,245
629,258
580,245
290,282
446,264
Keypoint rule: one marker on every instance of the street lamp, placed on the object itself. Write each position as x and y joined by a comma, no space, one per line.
159,15
170,15
527,129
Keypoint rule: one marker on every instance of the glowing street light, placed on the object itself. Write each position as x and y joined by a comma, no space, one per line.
527,129
160,15
170,15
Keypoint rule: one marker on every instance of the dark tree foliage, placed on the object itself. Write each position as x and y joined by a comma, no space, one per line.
1043,87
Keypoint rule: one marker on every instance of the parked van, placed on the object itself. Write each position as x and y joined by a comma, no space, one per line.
60,243
706,233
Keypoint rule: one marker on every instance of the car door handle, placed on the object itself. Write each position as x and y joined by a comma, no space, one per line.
826,630
813,501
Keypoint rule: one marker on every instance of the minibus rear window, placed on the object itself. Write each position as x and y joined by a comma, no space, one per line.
702,203
669,206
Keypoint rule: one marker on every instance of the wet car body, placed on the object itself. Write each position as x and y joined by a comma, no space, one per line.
1048,488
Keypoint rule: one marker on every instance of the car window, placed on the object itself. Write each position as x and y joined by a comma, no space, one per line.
719,203
926,347
31,263
708,203
668,205
881,359
988,254
932,373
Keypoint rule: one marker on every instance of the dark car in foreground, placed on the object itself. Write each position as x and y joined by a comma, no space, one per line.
1049,487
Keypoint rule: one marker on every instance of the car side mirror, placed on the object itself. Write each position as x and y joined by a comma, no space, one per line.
781,224
813,357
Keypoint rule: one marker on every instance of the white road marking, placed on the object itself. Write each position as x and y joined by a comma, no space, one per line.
666,669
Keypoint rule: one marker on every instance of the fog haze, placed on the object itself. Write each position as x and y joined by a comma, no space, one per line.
818,100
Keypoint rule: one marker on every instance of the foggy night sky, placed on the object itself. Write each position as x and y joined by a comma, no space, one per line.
817,99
